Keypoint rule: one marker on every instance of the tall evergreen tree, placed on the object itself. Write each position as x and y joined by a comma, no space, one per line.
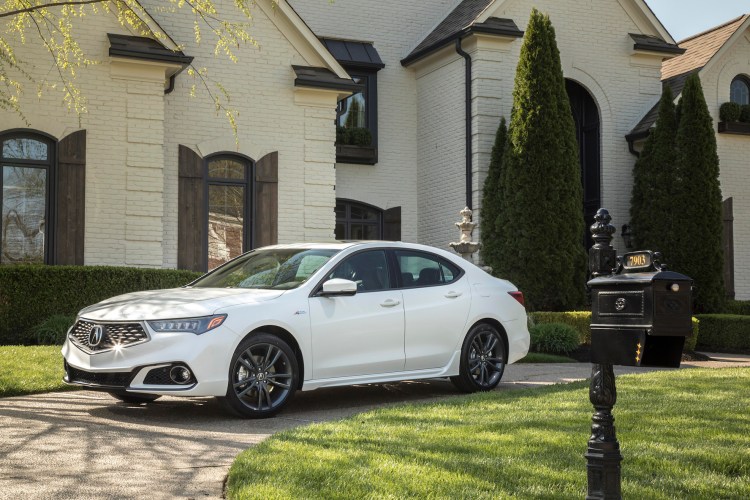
540,225
492,198
698,224
652,205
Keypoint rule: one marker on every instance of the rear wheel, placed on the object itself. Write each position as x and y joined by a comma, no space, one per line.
482,360
130,398
263,377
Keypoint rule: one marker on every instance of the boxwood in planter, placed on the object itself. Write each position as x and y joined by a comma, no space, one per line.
730,112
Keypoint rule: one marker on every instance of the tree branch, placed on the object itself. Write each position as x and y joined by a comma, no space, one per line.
46,6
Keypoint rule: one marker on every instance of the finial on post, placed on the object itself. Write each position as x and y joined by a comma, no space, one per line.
602,256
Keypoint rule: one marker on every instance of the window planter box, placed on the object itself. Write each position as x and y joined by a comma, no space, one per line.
738,128
365,155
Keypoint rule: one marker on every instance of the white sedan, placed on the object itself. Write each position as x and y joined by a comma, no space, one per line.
299,317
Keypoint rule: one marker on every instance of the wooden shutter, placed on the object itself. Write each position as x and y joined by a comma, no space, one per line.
728,243
191,223
266,223
70,200
392,224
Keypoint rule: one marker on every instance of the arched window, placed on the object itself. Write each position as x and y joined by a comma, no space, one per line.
27,162
358,221
739,91
229,217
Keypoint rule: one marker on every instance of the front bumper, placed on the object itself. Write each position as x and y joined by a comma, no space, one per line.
144,367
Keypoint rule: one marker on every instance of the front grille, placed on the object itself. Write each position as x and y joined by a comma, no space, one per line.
111,379
114,334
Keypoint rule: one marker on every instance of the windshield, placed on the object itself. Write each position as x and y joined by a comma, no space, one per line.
281,269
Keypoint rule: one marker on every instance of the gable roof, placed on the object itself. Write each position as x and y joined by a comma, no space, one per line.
463,19
701,48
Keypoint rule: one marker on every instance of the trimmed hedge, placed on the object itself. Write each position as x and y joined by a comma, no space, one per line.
724,331
730,112
740,307
580,320
31,294
554,338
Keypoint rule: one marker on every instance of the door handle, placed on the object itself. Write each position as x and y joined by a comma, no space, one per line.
453,295
390,303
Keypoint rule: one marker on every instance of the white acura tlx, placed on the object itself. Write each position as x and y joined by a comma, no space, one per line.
303,316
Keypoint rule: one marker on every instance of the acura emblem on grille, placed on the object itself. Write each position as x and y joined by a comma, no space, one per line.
95,335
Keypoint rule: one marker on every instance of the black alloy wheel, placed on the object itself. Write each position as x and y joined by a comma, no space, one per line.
482,360
134,399
263,377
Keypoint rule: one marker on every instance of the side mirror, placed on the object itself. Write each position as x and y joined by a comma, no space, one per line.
337,286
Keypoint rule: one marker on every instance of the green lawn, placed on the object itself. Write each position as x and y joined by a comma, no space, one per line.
683,434
31,369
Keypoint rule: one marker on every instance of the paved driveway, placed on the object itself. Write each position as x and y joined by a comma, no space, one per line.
85,444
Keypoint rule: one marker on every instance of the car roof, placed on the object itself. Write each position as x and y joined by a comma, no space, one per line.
341,245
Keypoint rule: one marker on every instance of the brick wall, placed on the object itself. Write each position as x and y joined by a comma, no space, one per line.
733,154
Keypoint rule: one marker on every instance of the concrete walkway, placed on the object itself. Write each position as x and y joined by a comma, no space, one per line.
84,444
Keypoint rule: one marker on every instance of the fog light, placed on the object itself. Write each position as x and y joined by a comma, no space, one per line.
180,375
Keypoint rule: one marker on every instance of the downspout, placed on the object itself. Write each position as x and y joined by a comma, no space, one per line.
467,85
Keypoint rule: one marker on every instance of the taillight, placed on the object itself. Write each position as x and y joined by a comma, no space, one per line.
518,296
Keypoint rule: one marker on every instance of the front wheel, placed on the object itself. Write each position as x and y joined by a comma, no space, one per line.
482,360
263,376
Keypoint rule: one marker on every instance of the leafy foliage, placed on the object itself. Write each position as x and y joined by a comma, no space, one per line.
30,294
580,320
697,222
52,330
554,338
730,112
721,332
540,222
492,198
652,208
741,307
53,23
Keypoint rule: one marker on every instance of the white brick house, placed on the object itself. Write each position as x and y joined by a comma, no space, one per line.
159,181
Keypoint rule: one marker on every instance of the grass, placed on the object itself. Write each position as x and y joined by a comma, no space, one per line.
683,434
540,357
31,369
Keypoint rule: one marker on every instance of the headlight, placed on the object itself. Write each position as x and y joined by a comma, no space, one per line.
191,325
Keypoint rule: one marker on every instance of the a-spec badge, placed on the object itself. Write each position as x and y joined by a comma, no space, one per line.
620,303
95,335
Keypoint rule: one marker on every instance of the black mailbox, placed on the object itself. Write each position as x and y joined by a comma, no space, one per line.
641,315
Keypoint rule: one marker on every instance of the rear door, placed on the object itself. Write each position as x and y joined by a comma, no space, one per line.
362,334
437,299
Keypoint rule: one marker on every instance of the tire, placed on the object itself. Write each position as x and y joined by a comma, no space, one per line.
482,359
263,376
134,399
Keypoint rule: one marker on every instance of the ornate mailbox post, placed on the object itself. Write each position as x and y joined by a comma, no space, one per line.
640,317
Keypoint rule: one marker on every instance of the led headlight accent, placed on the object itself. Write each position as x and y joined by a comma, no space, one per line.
191,325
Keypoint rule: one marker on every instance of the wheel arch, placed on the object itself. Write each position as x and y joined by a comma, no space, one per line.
287,337
499,326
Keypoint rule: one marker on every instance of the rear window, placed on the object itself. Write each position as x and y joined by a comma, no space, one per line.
425,269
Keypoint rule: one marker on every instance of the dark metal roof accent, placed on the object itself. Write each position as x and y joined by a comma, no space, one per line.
323,78
139,47
458,23
641,131
654,44
353,54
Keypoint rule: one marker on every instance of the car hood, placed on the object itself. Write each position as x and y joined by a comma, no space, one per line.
174,303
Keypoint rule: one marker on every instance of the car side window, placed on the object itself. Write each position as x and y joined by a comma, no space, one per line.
368,269
424,269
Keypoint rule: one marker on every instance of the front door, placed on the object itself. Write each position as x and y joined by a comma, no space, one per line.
362,334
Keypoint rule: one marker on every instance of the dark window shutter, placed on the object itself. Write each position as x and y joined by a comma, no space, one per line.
728,242
266,224
191,224
70,200
392,224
